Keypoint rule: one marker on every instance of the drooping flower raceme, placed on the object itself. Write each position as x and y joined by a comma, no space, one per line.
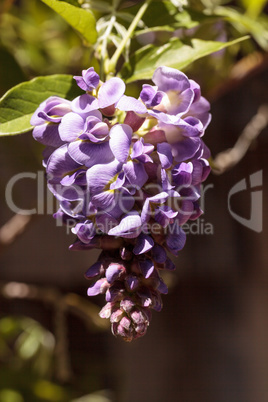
127,174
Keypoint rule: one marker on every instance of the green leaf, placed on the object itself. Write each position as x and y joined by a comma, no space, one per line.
254,7
19,103
245,24
176,54
80,19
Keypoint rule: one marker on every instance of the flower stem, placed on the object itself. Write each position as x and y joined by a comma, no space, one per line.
111,64
104,45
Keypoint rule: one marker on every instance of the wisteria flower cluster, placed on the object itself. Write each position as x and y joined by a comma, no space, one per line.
127,175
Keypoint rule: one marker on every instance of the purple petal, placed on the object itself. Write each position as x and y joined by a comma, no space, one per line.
89,79
182,174
60,163
94,270
113,293
185,212
170,79
104,200
120,140
176,238
48,134
140,151
120,181
206,169
139,148
51,119
197,211
110,92
196,88
71,126
78,245
135,173
197,171
185,149
150,96
200,110
78,177
169,265
144,243
165,155
162,287
190,127
156,199
123,203
85,231
90,154
166,185
205,151
147,268
132,283
84,104
100,175
145,296
164,117
73,210
129,227
99,287
164,215
156,301
114,271
72,193
128,103
159,254
52,108
105,221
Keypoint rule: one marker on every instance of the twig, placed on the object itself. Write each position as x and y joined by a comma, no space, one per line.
73,303
251,65
13,228
227,159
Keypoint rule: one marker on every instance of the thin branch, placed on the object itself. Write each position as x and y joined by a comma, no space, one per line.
227,159
249,66
73,303
13,228
111,65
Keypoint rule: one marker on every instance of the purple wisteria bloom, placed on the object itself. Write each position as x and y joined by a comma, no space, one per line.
127,174
89,79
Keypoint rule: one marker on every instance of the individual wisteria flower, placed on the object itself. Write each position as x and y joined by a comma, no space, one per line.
127,174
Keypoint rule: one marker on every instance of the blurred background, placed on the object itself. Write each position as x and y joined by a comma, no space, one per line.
210,342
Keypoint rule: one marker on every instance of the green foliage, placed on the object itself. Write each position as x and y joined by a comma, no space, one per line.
254,7
19,103
27,374
82,20
245,24
40,42
163,35
176,54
